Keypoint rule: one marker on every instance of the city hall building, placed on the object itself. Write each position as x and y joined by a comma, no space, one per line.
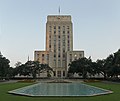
59,45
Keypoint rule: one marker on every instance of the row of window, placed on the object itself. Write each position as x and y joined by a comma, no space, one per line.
59,73
63,36
59,55
75,56
59,63
59,27
63,44
59,32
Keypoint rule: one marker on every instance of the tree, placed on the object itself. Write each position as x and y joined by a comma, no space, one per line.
46,67
37,68
110,67
114,70
18,64
4,67
32,68
82,66
101,67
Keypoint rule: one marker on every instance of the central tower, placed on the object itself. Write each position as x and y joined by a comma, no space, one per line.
59,38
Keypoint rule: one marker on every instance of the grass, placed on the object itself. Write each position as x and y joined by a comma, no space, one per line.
4,96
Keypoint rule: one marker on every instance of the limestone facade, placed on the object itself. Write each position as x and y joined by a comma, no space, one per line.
59,45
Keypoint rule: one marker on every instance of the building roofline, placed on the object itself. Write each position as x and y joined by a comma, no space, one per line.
58,15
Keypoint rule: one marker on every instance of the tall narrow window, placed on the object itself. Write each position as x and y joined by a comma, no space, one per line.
59,73
47,57
58,36
58,27
67,27
42,55
70,57
54,73
63,73
68,32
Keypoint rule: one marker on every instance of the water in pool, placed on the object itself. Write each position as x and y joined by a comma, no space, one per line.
60,89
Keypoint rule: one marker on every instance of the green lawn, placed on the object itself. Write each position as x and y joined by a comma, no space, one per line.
4,96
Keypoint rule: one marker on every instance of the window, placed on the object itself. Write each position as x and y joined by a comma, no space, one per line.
80,55
59,64
47,56
37,55
42,55
68,36
49,46
54,55
63,55
63,73
58,27
49,41
58,36
59,55
54,50
68,41
64,37
70,57
54,73
50,28
63,63
59,73
58,49
54,27
63,27
59,32
75,56
63,49
37,59
67,27
54,41
59,43
54,62
63,43
54,47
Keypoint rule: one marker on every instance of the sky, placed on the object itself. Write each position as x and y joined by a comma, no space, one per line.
96,26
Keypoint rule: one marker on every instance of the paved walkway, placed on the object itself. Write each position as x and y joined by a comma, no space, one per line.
10,81
59,80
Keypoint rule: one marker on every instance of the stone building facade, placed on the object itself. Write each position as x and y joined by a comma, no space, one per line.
59,45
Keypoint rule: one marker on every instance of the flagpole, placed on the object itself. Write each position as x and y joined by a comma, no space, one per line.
59,10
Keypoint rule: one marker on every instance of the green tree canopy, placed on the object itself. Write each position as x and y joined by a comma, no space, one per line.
31,68
4,66
82,66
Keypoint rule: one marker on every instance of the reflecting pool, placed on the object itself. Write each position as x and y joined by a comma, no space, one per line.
60,89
